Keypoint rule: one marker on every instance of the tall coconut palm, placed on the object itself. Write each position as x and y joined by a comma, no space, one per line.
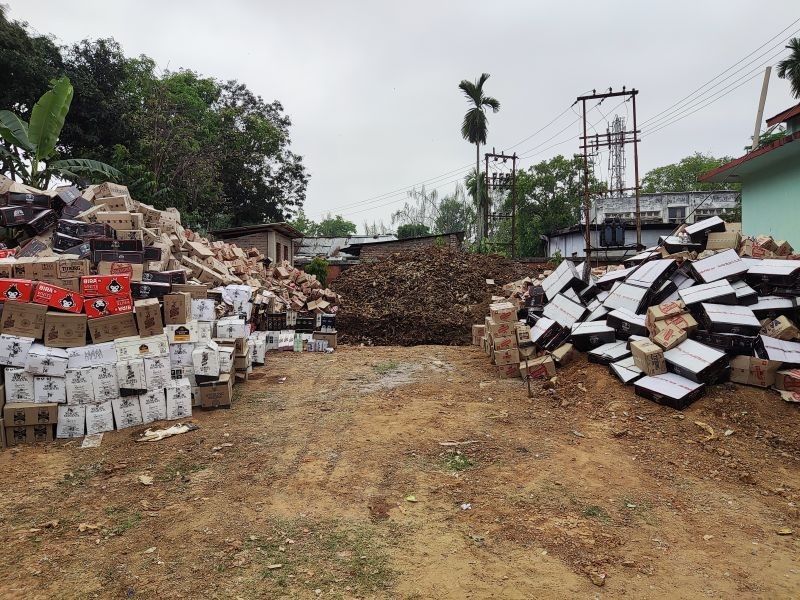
789,68
474,129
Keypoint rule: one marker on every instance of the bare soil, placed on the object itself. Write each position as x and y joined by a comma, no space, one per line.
345,481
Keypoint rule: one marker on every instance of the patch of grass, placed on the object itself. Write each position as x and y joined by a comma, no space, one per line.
80,476
324,554
386,367
596,512
455,461
124,519
181,464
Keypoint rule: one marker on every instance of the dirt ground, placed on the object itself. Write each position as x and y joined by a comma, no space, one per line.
343,481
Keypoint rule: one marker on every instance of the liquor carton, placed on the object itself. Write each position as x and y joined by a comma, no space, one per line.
47,361
648,357
58,297
18,385
697,362
131,376
64,330
669,389
99,418
179,399
751,370
105,382
538,368
14,350
25,320
71,421
49,389
127,412
608,353
105,285
586,336
216,393
107,329
79,386
177,308
153,406
102,306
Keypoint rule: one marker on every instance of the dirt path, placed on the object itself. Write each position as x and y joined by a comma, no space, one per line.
313,498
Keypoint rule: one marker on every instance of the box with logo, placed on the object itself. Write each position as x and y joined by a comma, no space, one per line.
133,272
242,362
179,399
216,393
91,355
782,328
148,316
506,357
232,328
136,346
47,361
750,370
23,319
258,347
503,312
586,336
730,343
30,413
105,382
14,350
225,359
196,291
779,350
669,336
16,290
697,362
38,201
509,371
106,329
58,297
153,406
42,221
105,285
648,357
131,376
787,380
28,434
205,330
115,245
177,308
103,306
118,256
18,385
180,355
157,372
141,290
662,311
69,268
206,362
504,342
49,389
64,330
127,412
117,219
669,389
723,265
12,216
203,309
182,333
79,386
538,368
99,418
71,421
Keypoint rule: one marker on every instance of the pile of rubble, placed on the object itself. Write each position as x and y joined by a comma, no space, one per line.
114,315
705,306
426,296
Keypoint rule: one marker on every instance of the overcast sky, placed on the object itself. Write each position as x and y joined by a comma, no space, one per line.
371,87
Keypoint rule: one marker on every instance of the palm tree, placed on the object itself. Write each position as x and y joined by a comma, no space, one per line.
789,68
474,129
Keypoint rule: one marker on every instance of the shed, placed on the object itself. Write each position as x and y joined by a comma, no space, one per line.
275,240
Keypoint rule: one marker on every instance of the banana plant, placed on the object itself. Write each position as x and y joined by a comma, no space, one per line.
34,144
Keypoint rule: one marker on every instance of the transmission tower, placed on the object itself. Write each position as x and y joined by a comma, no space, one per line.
616,155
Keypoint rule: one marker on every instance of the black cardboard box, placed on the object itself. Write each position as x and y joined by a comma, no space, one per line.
698,362
669,389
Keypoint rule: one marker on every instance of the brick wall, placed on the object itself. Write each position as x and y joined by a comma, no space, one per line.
375,252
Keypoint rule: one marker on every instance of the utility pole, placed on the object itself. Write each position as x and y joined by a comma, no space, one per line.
760,113
503,181
610,140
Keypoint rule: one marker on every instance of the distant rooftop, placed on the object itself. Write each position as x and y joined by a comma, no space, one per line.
336,247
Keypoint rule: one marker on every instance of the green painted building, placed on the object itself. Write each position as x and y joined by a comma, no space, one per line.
770,178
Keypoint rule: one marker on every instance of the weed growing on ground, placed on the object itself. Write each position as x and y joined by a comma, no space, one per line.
455,461
596,512
124,519
386,367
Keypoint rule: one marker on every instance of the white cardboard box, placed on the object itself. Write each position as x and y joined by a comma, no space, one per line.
183,333
47,361
205,331
127,412
153,405
71,421
105,383
203,309
14,350
91,355
133,347
157,372
49,389
179,399
99,418
205,360
130,374
232,328
19,385
80,389
180,355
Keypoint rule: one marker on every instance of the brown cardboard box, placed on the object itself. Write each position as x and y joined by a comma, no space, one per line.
477,333
115,268
30,413
752,249
504,342
118,220
330,337
506,357
538,368
509,371
216,393
23,319
503,312
63,330
564,354
685,322
177,308
526,352
648,357
500,328
29,434
107,329
670,336
148,316
69,268
782,328
724,240
664,311
114,203
195,291
788,380
766,242
751,370
784,248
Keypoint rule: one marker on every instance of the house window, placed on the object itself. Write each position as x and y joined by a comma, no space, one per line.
676,214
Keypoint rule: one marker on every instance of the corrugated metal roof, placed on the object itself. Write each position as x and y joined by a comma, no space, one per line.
332,246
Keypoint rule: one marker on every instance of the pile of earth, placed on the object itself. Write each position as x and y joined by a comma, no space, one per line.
431,295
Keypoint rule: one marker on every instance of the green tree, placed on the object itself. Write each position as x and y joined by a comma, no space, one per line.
455,214
303,224
410,230
789,68
474,129
318,266
335,227
33,156
682,176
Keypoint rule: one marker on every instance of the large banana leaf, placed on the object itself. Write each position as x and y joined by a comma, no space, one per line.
47,118
19,165
14,130
72,168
